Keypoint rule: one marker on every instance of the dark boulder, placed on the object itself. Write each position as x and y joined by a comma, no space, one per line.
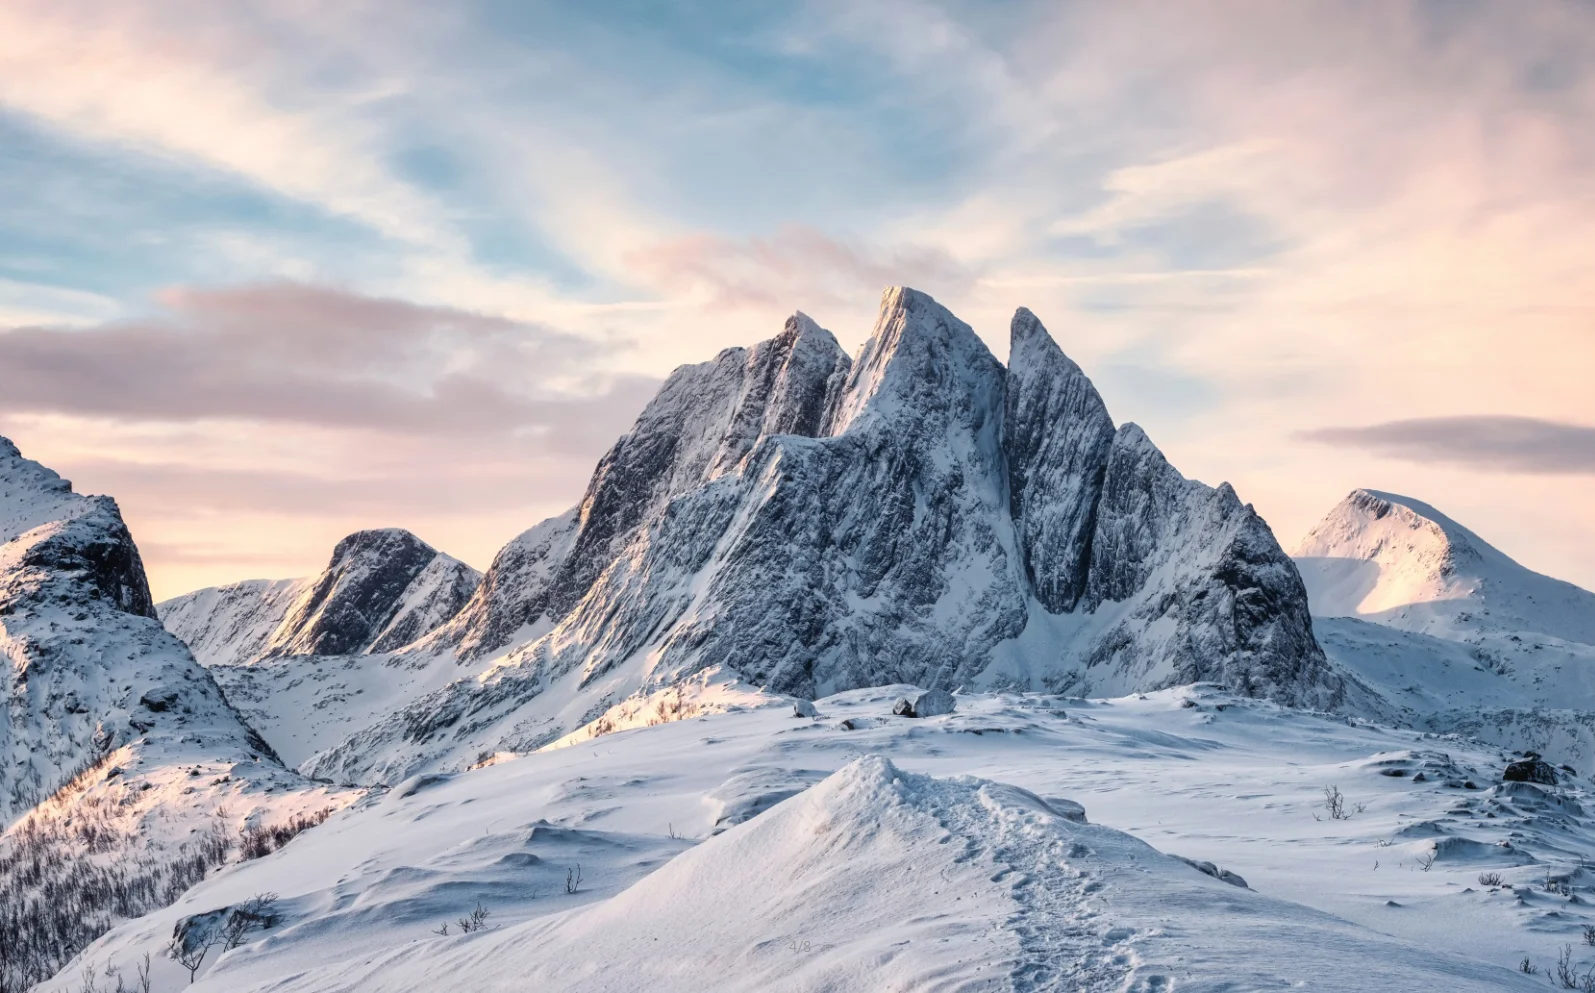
1530,769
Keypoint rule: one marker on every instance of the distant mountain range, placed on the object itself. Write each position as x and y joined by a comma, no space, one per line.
382,590
787,519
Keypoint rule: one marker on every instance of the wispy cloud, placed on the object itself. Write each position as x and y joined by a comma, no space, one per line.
1212,192
1498,443
296,354
797,263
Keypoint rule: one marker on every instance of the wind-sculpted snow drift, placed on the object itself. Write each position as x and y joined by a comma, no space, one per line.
871,879
804,523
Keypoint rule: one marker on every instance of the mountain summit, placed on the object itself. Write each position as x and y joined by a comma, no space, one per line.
1400,562
791,519
89,669
1450,632
381,590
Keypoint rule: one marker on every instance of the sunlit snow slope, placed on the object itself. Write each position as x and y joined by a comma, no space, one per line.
1451,629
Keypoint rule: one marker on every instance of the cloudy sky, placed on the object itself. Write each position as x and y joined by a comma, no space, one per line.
273,272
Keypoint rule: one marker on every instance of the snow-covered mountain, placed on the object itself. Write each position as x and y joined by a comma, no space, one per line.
381,590
90,669
1450,629
799,522
1400,562
125,774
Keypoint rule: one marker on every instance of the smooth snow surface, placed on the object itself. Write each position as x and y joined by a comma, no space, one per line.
753,850
1400,562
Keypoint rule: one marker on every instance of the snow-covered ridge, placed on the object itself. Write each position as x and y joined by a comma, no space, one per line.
808,523
89,669
381,590
118,752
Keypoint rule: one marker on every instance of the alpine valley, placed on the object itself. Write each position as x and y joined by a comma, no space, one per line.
904,670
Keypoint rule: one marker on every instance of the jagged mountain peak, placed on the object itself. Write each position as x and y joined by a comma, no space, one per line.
1031,344
1056,435
806,523
46,527
87,669
918,357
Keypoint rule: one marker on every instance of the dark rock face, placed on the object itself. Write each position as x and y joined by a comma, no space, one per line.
99,551
353,600
513,592
702,426
919,515
382,590
1530,769
1209,869
1236,602
1056,438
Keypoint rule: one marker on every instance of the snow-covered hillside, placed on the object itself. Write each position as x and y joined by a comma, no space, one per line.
89,668
1450,630
382,590
803,523
124,772
754,850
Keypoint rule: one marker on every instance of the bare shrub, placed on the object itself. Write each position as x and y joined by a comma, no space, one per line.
54,901
1335,804
476,920
1566,975
191,954
260,840
258,913
573,879
1491,879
